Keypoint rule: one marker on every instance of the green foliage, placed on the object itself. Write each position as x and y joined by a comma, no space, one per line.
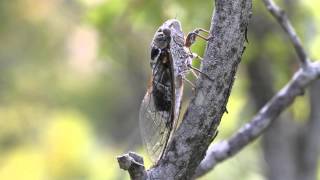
73,73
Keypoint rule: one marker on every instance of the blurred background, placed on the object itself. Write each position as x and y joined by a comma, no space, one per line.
73,74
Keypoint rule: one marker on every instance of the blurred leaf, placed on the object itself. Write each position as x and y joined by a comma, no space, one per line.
26,162
68,143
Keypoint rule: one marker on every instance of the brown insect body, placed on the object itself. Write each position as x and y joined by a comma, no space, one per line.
159,111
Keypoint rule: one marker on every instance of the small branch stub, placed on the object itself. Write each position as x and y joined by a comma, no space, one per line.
133,163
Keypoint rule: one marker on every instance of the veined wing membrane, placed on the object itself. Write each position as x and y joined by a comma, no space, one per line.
155,127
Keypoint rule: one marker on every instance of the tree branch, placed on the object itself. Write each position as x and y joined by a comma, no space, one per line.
198,128
283,20
252,130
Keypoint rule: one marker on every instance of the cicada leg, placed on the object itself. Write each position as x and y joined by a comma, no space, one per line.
194,70
190,40
200,72
189,82
191,37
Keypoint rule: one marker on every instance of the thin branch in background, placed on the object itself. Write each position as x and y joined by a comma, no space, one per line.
252,130
283,20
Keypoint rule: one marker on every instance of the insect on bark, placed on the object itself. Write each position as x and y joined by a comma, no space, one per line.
159,111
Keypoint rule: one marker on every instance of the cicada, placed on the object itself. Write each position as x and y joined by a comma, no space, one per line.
170,61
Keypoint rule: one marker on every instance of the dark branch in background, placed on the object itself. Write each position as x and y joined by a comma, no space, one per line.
252,130
309,138
283,20
280,138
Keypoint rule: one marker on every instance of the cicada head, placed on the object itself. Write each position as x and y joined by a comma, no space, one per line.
162,37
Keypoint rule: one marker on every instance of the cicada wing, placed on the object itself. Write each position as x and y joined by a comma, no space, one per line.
155,127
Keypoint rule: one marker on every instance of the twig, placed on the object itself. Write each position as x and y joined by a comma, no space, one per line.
283,20
133,163
252,130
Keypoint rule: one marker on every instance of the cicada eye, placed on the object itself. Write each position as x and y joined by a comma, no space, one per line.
161,40
155,52
166,32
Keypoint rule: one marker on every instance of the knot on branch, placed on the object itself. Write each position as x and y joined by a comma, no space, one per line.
133,163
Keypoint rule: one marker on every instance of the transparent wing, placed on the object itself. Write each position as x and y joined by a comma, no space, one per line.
155,127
